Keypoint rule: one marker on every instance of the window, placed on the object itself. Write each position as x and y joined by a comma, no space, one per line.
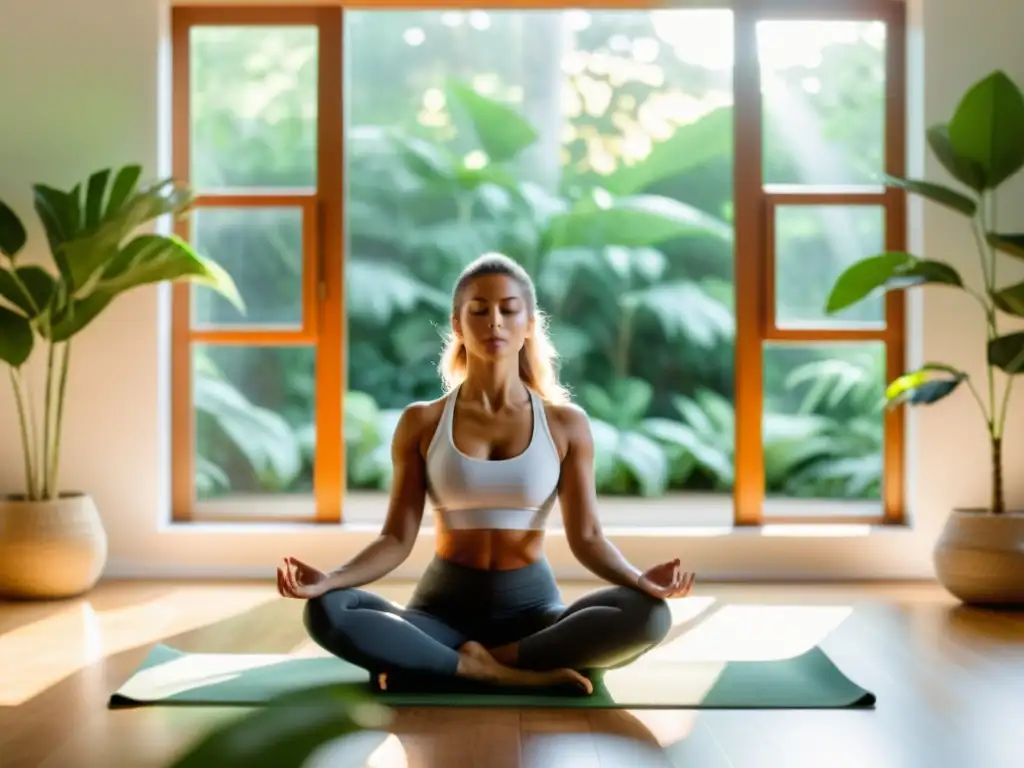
683,185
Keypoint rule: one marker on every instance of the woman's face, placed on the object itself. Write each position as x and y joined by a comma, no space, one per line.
494,320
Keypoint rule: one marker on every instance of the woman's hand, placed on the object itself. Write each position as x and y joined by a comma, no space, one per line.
296,579
666,581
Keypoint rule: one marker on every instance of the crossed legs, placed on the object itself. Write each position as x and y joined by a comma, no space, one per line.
605,629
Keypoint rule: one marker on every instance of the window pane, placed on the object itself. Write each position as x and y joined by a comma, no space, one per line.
255,423
261,248
814,244
823,87
823,420
253,107
630,116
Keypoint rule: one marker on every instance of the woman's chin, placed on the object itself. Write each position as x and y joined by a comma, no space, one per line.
496,352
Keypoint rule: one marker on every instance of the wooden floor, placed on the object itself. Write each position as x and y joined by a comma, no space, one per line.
949,681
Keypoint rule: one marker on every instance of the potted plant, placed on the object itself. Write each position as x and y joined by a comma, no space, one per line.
980,556
52,541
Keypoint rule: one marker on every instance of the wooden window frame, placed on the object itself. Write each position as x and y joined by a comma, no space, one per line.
323,296
754,204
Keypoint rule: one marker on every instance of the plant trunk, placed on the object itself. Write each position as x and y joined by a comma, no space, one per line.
27,447
998,502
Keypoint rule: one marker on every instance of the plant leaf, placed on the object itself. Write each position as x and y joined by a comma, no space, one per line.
287,731
988,128
689,147
16,339
962,169
124,187
146,259
892,270
1007,352
1009,244
95,191
59,213
632,222
12,232
96,247
502,132
936,193
924,386
37,281
1010,299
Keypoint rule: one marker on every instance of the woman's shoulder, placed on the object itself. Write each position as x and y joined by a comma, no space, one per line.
419,421
568,424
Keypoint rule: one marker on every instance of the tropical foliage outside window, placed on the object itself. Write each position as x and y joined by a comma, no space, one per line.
596,147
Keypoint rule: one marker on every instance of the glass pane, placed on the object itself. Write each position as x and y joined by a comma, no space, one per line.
814,244
597,107
255,419
261,248
823,88
253,107
823,420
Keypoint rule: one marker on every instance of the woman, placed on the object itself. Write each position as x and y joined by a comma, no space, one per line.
493,455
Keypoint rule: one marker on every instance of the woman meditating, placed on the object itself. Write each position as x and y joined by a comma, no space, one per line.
492,455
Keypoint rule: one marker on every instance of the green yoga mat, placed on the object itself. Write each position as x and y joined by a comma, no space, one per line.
807,681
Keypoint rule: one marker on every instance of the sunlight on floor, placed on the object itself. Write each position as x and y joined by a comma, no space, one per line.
40,654
754,633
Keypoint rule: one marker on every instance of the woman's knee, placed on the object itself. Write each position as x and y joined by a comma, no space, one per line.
650,616
316,619
659,621
324,616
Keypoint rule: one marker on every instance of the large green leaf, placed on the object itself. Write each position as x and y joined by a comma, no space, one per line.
988,128
1007,352
689,147
286,732
684,309
16,339
30,292
632,222
263,437
1009,244
60,214
95,192
962,169
502,132
125,183
707,454
892,270
1010,299
94,248
936,193
928,384
377,292
146,259
12,232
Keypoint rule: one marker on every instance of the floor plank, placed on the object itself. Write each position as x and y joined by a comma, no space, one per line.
949,681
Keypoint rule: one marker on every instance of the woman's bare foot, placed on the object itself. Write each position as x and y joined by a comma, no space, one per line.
476,663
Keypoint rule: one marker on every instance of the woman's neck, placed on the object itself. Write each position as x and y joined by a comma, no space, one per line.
494,385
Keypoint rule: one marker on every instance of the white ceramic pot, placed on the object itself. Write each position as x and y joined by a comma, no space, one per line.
980,557
50,549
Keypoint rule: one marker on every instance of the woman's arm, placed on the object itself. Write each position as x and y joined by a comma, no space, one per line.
405,507
577,495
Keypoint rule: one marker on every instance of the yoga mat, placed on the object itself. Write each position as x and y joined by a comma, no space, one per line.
809,680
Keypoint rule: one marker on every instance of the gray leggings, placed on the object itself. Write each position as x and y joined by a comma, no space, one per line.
454,604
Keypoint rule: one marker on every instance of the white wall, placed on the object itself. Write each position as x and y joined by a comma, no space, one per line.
80,90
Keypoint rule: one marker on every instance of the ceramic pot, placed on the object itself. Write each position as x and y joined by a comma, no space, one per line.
50,549
980,557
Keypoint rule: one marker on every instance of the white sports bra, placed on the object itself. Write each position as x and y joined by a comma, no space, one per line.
504,494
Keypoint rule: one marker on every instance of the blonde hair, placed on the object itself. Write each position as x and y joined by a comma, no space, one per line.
537,358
